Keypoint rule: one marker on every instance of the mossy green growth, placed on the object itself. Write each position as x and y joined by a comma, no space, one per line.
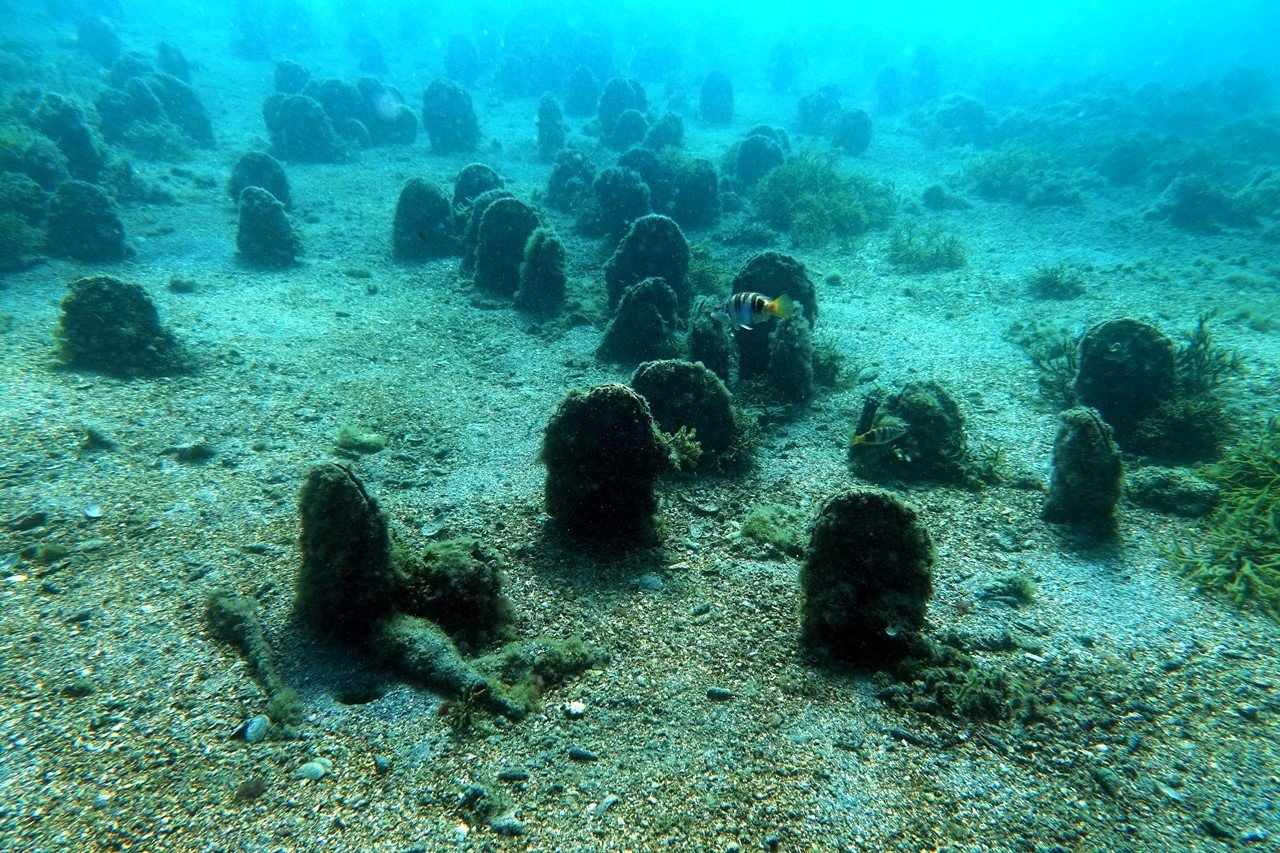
1017,588
1238,553
233,619
685,449
528,668
940,678
777,526
809,198
456,583
466,715
360,440
78,688
989,694
926,249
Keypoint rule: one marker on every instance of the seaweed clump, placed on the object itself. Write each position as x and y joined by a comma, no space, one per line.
456,583
1196,203
927,249
1056,357
809,198
1056,281
1016,173
1193,424
1238,552
526,669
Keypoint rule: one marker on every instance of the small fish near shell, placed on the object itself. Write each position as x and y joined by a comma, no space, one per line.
880,435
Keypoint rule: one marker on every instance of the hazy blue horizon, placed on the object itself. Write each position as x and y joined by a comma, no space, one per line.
1038,44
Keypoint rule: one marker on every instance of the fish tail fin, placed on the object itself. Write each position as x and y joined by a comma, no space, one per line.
784,306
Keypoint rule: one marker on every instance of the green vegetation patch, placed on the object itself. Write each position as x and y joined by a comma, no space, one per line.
1056,281
1238,554
1022,175
808,198
357,439
526,669
926,249
776,526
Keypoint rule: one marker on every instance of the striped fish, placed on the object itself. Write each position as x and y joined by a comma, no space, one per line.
745,310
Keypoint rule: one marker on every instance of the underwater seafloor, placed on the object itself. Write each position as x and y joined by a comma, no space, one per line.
1149,719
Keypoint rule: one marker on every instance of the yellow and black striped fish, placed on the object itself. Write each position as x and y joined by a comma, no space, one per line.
745,310
886,434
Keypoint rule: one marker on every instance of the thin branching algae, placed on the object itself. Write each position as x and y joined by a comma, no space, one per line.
1238,553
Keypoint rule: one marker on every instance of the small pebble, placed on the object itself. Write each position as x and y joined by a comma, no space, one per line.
577,753
719,694
507,825
513,775
1249,712
471,795
93,511
255,730
382,764
1254,836
1210,826
101,801
575,710
650,582
250,789
607,803
314,770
